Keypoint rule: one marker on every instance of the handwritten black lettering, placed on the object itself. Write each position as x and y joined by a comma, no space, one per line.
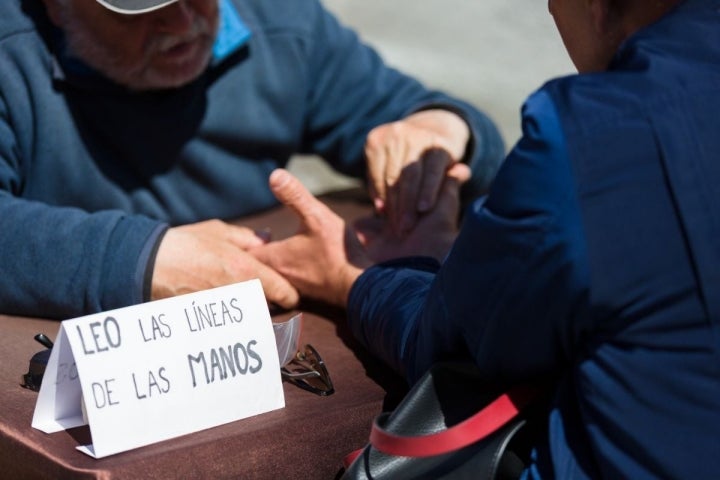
227,363
156,384
254,355
240,359
212,315
215,366
200,359
158,328
100,343
224,362
102,393
66,371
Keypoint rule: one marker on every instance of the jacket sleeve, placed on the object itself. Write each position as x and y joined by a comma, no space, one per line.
61,262
512,293
352,91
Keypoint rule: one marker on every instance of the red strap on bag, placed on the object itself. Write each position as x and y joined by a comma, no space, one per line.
350,457
475,428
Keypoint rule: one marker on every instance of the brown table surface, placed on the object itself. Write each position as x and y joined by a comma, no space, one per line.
306,439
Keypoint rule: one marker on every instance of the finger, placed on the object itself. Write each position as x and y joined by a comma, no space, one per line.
246,238
397,157
396,154
460,172
406,200
292,193
277,288
448,200
264,234
376,163
436,162
368,228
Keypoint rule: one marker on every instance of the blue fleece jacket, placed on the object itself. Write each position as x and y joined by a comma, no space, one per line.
91,174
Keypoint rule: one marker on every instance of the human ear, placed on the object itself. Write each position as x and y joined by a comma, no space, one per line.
601,16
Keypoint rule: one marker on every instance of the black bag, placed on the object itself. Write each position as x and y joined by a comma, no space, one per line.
448,426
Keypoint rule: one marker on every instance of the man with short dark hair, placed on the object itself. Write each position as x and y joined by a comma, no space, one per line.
121,118
592,264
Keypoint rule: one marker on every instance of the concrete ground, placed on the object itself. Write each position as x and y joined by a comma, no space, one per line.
492,53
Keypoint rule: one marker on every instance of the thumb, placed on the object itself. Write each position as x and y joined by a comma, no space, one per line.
286,187
368,228
460,172
292,193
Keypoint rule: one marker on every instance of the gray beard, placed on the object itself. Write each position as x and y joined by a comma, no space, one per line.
138,75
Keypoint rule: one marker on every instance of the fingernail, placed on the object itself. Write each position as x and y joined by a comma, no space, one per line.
264,234
379,204
279,177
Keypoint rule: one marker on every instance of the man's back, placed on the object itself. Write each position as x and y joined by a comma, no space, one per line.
644,148
592,261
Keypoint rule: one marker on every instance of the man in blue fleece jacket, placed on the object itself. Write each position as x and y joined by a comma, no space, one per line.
129,127
593,262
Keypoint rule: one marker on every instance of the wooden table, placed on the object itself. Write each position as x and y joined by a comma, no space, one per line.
306,439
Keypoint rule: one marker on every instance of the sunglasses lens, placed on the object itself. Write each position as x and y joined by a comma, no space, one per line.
33,378
307,370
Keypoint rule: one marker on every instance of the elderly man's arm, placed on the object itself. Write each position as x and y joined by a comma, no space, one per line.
60,262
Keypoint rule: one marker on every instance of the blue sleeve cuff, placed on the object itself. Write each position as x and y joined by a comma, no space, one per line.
384,304
129,261
146,262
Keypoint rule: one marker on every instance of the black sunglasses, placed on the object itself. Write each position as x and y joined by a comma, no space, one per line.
38,362
307,370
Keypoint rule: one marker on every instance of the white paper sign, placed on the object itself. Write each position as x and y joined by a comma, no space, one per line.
162,369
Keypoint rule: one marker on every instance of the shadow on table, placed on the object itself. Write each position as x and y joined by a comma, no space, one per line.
393,384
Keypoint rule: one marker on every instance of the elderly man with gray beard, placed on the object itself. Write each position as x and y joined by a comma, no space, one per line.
131,130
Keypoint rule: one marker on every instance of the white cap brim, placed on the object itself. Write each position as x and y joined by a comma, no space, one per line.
132,7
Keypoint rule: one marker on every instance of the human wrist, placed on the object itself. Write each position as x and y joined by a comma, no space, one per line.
458,134
346,280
